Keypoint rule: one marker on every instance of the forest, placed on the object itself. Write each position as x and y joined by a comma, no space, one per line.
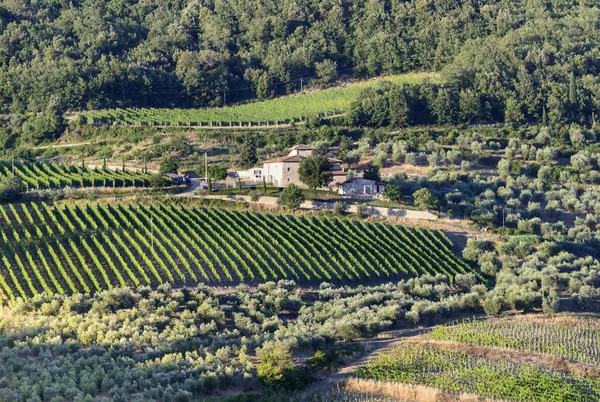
500,59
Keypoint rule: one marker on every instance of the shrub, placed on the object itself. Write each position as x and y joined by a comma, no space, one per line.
11,188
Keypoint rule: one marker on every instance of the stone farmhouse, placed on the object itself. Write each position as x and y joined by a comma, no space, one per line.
283,171
359,187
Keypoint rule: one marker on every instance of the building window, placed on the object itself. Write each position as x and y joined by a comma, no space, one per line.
289,169
288,178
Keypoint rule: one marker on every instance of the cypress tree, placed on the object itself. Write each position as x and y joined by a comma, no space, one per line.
572,88
264,185
209,184
544,117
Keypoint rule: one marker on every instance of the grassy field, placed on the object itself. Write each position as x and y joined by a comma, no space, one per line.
281,110
64,249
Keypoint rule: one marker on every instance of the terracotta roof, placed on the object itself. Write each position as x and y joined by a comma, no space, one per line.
334,160
302,148
338,173
286,159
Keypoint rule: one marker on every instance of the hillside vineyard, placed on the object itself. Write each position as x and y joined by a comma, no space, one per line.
50,175
71,248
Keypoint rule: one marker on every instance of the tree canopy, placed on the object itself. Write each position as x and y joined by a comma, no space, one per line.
315,172
98,54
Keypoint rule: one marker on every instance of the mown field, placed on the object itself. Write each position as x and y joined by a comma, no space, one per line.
270,112
516,360
51,175
84,248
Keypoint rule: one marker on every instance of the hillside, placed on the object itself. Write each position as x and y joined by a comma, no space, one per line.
272,112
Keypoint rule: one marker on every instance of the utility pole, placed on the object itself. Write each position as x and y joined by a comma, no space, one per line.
301,84
224,98
206,167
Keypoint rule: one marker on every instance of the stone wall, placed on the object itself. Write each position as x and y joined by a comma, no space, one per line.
322,205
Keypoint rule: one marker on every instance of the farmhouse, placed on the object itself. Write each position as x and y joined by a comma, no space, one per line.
283,171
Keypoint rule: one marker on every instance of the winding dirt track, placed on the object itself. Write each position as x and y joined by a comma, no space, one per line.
374,347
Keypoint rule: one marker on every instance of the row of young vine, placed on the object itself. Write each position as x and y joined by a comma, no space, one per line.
457,372
68,248
51,175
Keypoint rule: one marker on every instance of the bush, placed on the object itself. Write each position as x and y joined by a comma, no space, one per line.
159,181
291,197
339,208
11,188
361,211
168,165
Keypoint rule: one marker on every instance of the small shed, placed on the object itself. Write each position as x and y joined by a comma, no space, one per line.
361,187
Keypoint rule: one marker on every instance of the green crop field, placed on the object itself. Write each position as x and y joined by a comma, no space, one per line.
569,342
458,372
84,248
281,110
51,175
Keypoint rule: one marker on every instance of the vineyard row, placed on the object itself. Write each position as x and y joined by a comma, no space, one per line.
84,248
51,175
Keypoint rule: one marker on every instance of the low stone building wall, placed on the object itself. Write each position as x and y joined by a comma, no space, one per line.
322,205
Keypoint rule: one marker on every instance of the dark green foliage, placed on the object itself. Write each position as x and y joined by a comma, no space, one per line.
159,181
314,171
393,192
45,125
372,173
239,50
215,172
291,197
248,157
426,199
168,165
11,188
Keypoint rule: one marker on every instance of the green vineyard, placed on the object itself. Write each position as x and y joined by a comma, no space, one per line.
84,248
333,101
51,175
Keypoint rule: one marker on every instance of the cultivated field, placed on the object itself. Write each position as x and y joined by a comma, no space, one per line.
282,110
51,175
505,359
84,248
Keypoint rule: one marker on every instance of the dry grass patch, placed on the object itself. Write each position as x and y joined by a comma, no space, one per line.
406,392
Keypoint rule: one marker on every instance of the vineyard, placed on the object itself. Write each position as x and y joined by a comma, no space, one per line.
458,372
51,175
569,342
328,102
83,248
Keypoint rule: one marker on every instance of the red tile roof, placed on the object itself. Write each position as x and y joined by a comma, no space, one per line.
286,159
302,148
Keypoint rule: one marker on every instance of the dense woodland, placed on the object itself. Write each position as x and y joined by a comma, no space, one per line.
499,58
